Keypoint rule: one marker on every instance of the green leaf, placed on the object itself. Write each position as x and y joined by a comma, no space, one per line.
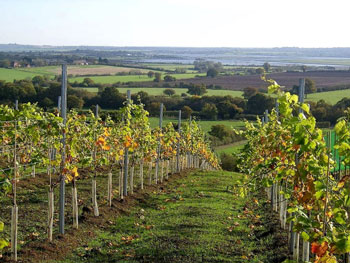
3,243
305,108
1,226
305,236
319,194
344,245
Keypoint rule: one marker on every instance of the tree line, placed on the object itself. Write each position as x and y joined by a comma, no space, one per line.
45,92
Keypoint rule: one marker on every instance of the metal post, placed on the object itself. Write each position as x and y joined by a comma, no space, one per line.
159,145
16,104
59,103
266,115
178,144
62,177
126,156
301,92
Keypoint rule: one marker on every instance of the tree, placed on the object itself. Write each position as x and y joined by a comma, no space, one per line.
212,72
197,90
186,112
267,67
169,92
39,81
157,77
5,63
310,86
169,78
220,131
180,70
87,82
46,102
110,98
249,92
258,103
150,74
209,111
228,110
143,96
74,102
259,71
154,108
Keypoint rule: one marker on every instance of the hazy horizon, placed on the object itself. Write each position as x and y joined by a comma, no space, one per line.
176,23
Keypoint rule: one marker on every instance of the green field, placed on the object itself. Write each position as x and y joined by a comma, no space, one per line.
205,125
159,91
230,148
12,74
131,78
331,97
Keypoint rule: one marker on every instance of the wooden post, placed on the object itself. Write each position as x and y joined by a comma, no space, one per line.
167,168
94,189
162,171
132,169
75,207
63,151
141,173
14,230
121,182
94,198
126,157
296,247
50,214
14,215
110,188
306,251
150,172
178,166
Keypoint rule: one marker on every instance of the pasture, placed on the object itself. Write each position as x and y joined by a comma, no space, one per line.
132,78
178,91
331,97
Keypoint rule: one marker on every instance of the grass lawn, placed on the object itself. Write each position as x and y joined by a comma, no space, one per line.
230,148
331,97
12,74
191,219
131,78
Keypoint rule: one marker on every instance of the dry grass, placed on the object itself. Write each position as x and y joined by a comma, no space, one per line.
96,70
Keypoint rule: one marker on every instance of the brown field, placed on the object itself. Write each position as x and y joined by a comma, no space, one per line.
96,70
287,79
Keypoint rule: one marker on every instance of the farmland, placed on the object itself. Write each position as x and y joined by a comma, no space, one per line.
132,78
331,97
178,91
287,79
75,70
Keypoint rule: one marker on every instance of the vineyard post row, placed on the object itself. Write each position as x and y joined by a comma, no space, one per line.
183,160
63,106
279,203
296,163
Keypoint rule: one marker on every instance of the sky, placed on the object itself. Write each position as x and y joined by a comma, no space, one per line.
183,23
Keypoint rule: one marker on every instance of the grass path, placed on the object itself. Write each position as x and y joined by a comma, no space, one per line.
192,219
231,148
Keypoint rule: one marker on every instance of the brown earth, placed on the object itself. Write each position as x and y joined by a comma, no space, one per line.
100,70
34,247
287,79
